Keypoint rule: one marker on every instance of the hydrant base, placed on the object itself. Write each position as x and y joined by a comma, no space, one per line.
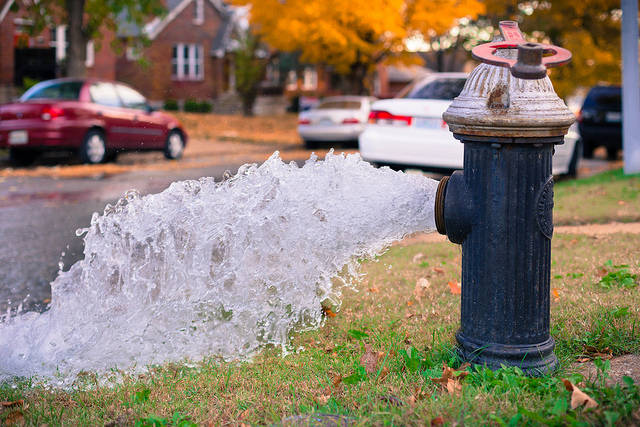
533,359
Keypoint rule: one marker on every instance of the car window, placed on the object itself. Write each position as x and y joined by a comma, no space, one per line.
104,94
339,105
606,97
434,89
131,98
63,90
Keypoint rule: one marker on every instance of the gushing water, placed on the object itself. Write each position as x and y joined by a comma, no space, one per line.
216,269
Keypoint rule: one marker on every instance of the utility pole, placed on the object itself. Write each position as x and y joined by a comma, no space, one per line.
630,88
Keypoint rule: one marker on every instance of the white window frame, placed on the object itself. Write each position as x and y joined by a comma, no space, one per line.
195,66
292,80
309,78
90,59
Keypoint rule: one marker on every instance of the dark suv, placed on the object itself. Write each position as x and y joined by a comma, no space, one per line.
600,120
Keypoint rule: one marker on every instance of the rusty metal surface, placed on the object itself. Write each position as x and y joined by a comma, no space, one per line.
495,103
513,39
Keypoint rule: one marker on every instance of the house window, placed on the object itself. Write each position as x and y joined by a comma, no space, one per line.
273,72
58,39
292,80
198,13
310,78
134,52
187,62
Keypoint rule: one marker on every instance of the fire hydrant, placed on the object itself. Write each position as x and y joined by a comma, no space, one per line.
499,207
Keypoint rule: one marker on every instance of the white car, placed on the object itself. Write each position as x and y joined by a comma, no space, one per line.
407,132
335,118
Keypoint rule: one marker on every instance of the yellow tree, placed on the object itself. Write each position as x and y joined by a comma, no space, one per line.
353,36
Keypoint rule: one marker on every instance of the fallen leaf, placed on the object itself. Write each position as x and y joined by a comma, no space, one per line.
326,311
409,303
420,291
622,203
556,295
19,402
583,359
14,418
601,272
329,348
578,397
573,241
323,399
436,422
392,400
409,315
417,257
383,373
374,290
337,380
592,352
455,287
370,359
450,379
438,270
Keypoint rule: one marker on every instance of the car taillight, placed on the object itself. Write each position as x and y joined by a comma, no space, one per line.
49,112
386,118
350,121
303,121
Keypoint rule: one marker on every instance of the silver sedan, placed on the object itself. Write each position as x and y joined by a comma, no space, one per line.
335,118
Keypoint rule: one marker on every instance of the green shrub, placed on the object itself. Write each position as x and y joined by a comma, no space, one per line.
193,106
171,105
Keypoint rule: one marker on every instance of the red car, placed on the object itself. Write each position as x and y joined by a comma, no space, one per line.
95,118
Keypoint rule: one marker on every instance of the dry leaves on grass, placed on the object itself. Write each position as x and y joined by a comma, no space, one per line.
590,352
15,417
422,285
370,361
556,295
454,287
451,379
578,397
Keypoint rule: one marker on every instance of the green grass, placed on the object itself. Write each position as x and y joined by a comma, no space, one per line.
616,197
409,333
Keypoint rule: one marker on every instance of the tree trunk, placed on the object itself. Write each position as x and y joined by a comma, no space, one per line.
76,39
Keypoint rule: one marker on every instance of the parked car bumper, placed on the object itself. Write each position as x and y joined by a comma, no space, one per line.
437,150
421,148
607,136
39,134
330,133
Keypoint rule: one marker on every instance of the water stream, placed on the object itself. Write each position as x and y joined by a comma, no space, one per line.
211,268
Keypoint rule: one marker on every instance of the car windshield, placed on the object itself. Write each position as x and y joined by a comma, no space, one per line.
339,105
605,97
433,89
59,90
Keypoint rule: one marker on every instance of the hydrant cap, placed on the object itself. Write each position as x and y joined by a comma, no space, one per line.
497,104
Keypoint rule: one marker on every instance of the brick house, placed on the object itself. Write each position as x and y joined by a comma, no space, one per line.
189,55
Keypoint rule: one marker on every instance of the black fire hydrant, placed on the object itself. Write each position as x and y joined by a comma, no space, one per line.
499,207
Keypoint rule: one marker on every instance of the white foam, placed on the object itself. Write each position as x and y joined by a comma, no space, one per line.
216,269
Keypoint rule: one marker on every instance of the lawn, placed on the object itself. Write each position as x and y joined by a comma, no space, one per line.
387,356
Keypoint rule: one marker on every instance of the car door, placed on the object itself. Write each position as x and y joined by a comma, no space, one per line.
117,120
149,128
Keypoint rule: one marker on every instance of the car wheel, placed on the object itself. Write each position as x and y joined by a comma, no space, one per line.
174,147
587,149
21,158
94,148
311,145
